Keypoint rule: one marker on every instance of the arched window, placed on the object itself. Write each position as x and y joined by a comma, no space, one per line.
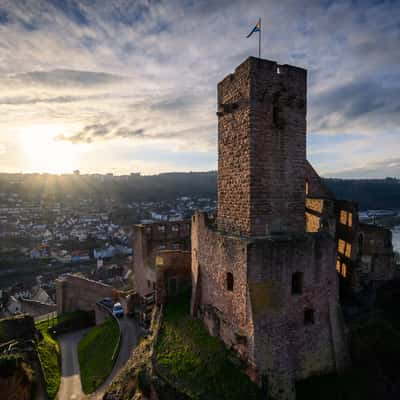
297,283
308,316
229,281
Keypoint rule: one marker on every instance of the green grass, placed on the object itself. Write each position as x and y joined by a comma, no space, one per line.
49,351
196,363
95,351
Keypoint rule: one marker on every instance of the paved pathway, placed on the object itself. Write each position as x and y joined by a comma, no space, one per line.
71,388
130,337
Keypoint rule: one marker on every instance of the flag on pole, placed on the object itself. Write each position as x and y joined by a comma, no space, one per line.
257,28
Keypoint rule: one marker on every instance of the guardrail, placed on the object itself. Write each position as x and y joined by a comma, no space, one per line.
118,344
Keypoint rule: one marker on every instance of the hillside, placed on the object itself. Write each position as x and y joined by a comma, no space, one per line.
369,193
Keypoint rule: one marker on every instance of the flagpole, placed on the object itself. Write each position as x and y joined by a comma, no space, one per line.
259,40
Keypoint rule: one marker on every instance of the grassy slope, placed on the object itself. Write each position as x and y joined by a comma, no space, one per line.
196,363
95,352
49,351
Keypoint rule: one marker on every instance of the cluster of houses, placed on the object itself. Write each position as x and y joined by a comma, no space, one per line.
173,211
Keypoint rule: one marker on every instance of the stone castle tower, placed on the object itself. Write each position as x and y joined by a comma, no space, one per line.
264,285
262,149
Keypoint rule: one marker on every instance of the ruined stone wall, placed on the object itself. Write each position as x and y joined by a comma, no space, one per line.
261,318
173,273
376,253
140,258
320,215
262,148
225,312
287,346
76,293
150,239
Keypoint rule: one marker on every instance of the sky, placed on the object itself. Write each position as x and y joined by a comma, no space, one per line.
130,85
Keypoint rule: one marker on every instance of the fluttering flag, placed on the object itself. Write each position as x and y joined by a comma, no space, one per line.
257,28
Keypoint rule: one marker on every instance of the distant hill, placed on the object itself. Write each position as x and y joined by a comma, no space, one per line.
369,193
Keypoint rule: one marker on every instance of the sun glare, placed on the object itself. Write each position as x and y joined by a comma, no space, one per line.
46,154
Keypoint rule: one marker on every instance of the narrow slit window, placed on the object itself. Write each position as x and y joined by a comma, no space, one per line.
308,316
229,281
338,263
344,270
297,283
350,220
348,250
343,217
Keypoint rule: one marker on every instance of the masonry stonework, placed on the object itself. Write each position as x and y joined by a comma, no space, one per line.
260,282
76,293
161,262
262,148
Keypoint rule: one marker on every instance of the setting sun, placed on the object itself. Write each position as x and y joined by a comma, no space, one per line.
44,153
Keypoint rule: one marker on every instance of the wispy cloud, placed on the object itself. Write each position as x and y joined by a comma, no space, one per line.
140,73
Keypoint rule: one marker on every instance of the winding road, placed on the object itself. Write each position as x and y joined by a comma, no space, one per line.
71,388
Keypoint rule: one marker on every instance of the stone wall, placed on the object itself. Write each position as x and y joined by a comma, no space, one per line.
148,241
315,187
377,262
36,308
225,312
76,293
260,317
173,274
262,148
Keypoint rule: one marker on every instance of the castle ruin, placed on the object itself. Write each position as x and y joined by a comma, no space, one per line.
261,281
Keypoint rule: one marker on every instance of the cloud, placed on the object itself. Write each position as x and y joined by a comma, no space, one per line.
61,78
101,131
376,169
125,72
368,104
